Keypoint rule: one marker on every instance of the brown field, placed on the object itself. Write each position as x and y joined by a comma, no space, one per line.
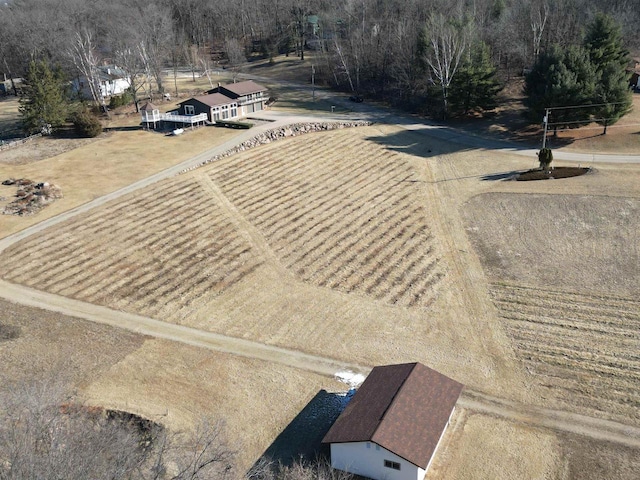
565,285
370,245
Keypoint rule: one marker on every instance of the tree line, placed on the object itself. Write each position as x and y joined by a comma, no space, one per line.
436,56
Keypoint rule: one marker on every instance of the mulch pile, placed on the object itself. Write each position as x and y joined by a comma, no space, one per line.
31,196
555,173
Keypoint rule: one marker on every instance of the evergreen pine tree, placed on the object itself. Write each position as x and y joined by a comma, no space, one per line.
475,86
43,106
561,78
604,44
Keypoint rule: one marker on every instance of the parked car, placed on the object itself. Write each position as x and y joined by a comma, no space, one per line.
356,98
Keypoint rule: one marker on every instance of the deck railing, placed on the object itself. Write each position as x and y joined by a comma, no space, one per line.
173,117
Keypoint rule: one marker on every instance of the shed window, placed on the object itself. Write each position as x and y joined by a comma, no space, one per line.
189,110
390,464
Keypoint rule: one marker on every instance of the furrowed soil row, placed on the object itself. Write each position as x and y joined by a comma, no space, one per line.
249,164
95,252
314,210
257,209
254,204
316,213
174,262
329,206
574,300
325,218
568,325
247,180
577,314
71,243
321,253
193,270
578,343
154,259
181,278
149,249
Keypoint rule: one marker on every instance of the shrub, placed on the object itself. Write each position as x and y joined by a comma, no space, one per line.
231,124
121,100
545,157
87,124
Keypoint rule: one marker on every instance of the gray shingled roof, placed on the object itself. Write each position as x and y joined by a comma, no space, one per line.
403,408
212,100
244,88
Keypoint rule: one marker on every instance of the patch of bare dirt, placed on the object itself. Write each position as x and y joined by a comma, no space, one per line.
42,148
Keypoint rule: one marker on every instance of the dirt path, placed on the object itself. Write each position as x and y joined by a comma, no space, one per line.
525,414
245,227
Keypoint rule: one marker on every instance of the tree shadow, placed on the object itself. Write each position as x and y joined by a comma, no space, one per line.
424,142
129,128
302,438
492,177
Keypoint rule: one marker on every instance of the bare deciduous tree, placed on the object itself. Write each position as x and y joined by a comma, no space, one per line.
447,42
44,433
85,60
320,469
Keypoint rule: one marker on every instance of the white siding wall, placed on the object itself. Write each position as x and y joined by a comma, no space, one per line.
369,462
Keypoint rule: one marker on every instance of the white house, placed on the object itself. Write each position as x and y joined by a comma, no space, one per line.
391,428
113,81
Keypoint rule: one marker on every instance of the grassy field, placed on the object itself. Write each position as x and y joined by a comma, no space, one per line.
371,245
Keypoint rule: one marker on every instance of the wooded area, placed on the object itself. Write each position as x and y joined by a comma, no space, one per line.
411,53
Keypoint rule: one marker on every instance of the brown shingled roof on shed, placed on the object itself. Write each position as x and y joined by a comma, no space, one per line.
403,408
148,107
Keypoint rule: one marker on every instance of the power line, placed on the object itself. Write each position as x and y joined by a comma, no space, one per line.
599,128
585,106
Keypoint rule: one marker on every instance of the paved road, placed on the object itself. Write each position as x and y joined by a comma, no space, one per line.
373,113
527,414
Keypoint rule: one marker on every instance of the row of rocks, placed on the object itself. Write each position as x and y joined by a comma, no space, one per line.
31,196
6,144
280,133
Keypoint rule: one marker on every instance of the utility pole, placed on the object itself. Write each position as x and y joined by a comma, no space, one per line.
545,120
313,82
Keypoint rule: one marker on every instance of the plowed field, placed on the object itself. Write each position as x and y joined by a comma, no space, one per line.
350,219
138,254
566,286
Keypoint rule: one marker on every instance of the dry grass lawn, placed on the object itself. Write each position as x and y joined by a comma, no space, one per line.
115,160
371,245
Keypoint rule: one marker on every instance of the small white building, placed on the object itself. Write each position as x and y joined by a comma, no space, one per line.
391,428
113,81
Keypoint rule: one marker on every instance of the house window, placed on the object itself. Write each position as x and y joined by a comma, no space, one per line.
377,447
189,110
234,110
368,445
390,464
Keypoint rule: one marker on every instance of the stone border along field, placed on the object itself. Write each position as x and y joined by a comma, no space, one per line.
144,255
286,131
